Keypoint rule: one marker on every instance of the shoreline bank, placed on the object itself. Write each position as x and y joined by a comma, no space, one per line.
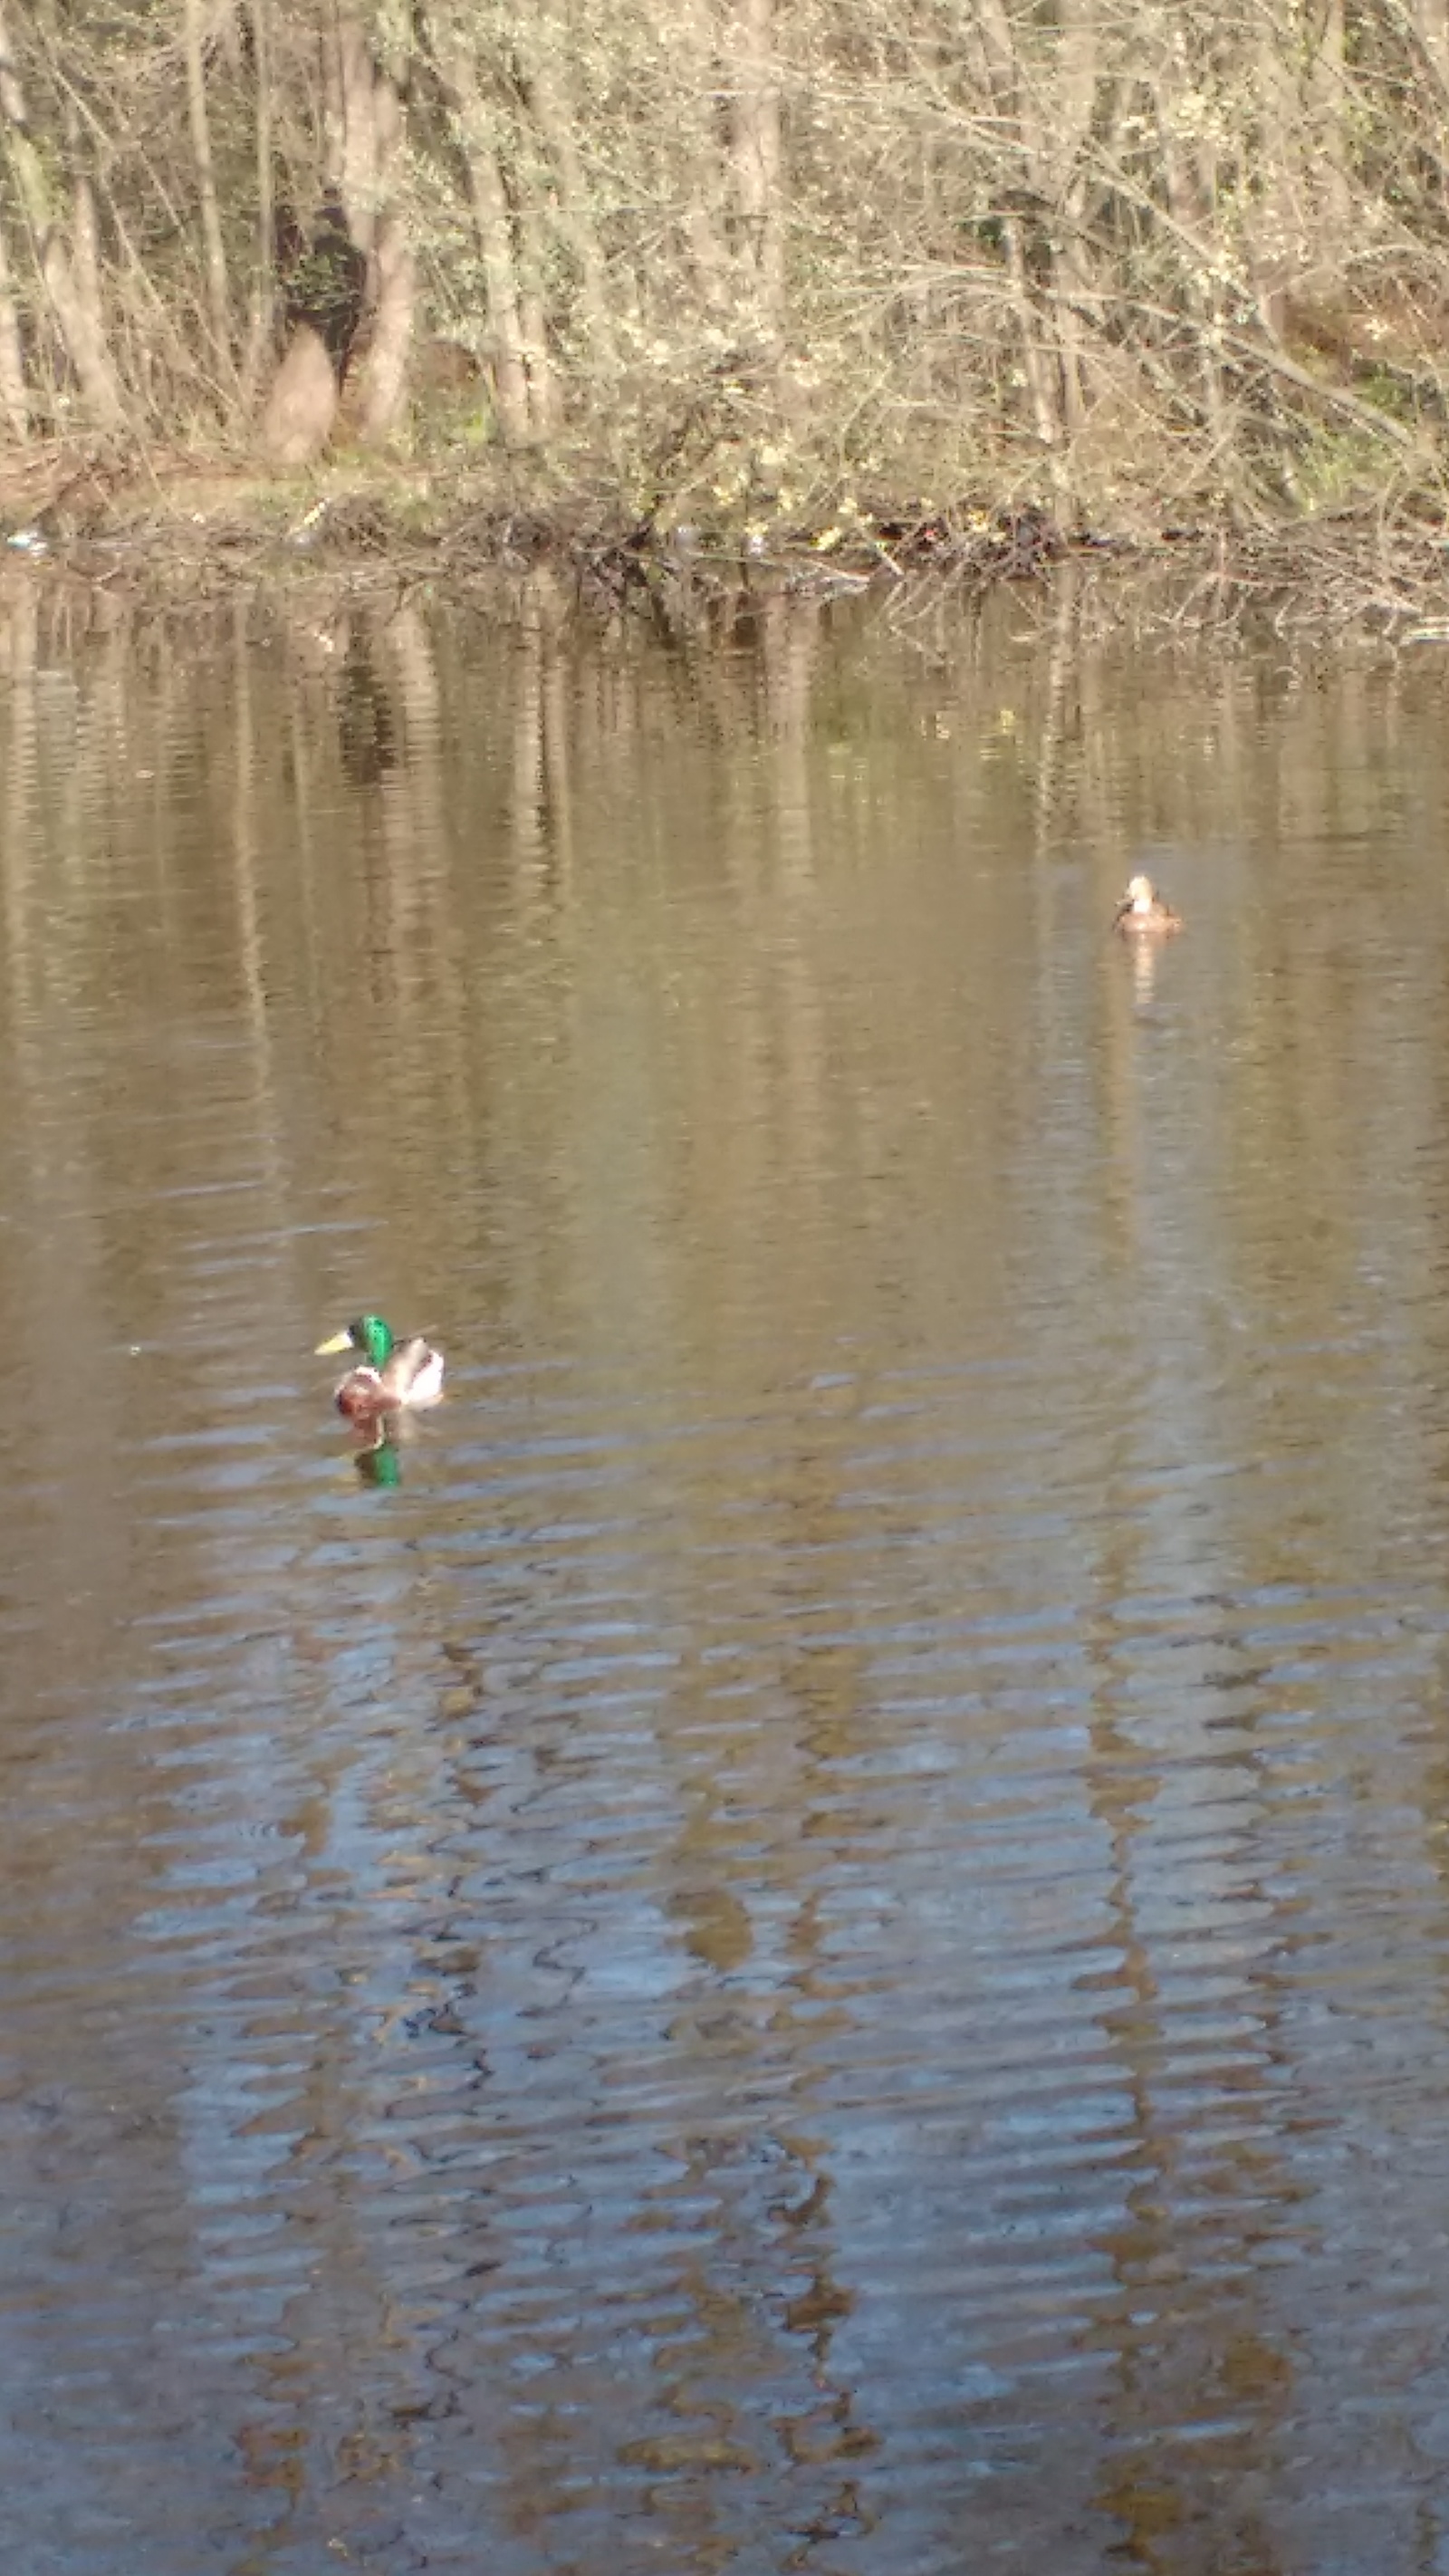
190,528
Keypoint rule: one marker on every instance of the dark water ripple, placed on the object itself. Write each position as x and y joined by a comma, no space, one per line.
819,1943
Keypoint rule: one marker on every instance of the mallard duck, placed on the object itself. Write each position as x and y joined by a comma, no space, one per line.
1142,909
390,1373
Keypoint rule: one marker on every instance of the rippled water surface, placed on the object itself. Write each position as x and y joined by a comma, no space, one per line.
811,1933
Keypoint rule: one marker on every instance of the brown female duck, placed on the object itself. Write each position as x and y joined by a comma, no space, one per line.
1144,912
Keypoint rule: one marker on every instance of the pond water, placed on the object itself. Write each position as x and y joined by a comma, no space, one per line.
810,1933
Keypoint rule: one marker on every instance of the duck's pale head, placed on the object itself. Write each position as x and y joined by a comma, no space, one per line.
1143,908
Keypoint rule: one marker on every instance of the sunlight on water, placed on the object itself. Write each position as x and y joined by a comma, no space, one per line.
808,1929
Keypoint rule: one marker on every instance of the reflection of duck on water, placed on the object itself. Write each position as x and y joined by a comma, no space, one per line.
1143,910
377,1461
389,1375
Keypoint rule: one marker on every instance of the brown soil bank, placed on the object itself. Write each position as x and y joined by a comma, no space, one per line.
183,526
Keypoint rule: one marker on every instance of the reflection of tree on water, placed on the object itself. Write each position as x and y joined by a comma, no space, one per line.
366,734
833,1626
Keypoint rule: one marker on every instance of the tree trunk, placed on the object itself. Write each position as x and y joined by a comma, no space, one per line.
262,316
543,389
354,154
1431,25
500,274
1071,128
385,372
1330,194
1275,234
72,289
494,229
702,217
1047,97
756,160
216,282
302,405
1189,198
393,276
543,52
14,400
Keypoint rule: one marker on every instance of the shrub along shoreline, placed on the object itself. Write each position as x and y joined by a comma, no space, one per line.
671,290
193,527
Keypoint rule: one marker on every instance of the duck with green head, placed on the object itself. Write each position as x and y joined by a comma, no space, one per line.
389,1374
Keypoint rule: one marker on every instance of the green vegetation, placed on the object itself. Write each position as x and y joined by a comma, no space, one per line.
821,272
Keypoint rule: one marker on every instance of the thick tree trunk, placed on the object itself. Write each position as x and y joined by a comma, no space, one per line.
354,137
366,117
301,408
385,373
393,269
